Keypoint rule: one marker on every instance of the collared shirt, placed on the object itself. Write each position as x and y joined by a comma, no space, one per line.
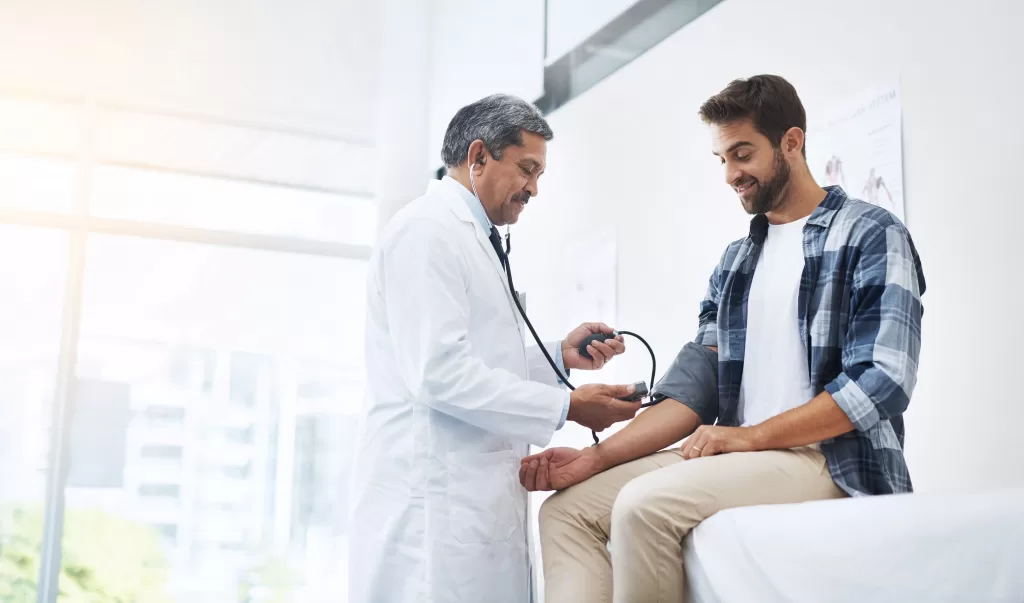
477,209
472,202
859,314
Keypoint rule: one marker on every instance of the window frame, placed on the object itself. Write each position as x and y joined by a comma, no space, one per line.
80,225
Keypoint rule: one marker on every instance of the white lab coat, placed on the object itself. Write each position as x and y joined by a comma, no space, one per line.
454,399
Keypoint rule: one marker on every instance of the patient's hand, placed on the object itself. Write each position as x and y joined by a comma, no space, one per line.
558,468
709,440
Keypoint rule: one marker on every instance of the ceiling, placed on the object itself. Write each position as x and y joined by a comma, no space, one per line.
307,65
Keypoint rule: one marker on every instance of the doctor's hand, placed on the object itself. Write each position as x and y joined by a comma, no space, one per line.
601,352
597,406
559,468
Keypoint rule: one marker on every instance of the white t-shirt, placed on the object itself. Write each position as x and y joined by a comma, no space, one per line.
775,372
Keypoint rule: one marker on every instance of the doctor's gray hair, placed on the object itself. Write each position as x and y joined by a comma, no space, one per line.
498,120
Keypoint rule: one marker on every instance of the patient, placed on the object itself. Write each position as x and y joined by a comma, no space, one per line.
794,389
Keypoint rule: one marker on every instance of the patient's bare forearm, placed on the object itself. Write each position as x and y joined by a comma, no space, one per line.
810,423
652,430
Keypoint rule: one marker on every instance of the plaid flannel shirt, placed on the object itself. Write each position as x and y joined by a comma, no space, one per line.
860,319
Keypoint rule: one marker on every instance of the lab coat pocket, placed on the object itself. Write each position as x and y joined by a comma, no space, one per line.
481,498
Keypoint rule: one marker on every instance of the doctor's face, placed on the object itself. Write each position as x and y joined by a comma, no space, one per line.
506,186
756,169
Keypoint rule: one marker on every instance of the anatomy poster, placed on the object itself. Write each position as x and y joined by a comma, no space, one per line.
860,147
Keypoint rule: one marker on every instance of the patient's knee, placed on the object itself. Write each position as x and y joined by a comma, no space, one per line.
649,503
632,503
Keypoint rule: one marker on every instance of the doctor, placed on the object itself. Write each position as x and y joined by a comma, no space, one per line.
454,396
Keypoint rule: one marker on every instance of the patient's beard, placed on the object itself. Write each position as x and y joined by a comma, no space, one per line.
770,193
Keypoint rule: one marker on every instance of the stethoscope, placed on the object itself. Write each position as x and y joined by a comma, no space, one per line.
642,390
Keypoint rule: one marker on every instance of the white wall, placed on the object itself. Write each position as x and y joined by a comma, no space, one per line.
478,49
281,92
632,153
403,105
570,22
306,64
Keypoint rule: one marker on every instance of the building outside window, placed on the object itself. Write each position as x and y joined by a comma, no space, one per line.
199,335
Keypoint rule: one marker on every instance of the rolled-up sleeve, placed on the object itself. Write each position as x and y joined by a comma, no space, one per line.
692,380
883,343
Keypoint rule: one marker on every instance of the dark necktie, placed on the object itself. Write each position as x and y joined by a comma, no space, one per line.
496,243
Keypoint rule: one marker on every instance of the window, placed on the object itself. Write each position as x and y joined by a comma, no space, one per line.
220,204
261,320
251,378
169,533
239,473
238,436
323,462
192,369
37,126
214,379
159,415
32,268
160,490
161,452
36,183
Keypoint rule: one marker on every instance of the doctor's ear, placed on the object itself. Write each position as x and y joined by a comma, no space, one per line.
477,165
477,155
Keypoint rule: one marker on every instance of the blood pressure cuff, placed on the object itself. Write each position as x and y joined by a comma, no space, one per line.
692,380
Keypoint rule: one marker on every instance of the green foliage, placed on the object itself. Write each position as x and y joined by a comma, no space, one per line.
272,580
105,559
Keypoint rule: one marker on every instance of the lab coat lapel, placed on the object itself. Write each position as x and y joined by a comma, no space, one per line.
458,207
484,240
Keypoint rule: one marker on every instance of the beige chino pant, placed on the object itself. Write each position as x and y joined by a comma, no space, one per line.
646,507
